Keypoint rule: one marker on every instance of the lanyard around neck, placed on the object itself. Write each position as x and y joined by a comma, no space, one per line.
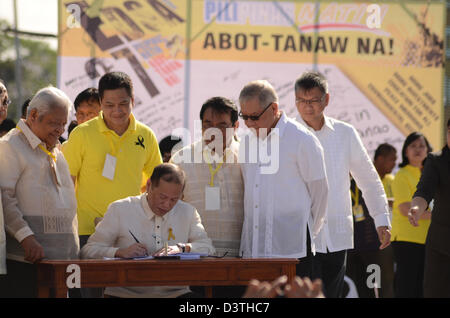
41,147
212,171
355,196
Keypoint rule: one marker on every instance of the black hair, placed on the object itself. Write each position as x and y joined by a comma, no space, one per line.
310,80
167,143
168,172
383,150
409,140
25,107
71,127
115,80
448,123
221,105
7,125
88,95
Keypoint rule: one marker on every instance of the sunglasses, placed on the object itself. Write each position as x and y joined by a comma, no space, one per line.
254,117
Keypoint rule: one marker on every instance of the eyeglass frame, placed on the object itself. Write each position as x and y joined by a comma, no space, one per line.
6,103
310,101
254,117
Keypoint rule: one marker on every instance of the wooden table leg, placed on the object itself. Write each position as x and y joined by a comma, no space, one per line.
208,292
61,292
43,292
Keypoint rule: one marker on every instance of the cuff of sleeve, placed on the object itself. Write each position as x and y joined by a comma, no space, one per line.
191,248
23,233
201,248
111,252
382,220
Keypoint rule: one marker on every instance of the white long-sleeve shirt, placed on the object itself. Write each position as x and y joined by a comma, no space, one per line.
182,224
284,194
344,155
224,226
38,196
2,240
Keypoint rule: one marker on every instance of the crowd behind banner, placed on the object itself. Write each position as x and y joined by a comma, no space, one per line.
110,190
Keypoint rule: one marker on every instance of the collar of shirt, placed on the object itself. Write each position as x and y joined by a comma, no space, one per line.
103,128
328,123
148,210
208,157
278,129
32,139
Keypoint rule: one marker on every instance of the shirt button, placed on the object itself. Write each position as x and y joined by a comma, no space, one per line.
157,242
157,227
256,206
256,226
256,185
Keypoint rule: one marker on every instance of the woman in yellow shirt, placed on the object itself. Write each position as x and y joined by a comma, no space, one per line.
408,241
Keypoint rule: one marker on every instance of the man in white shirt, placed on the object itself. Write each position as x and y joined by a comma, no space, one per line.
4,103
214,180
344,155
142,225
208,170
284,176
38,195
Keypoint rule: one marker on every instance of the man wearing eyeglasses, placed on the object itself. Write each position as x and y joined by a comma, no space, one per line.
4,102
344,155
279,203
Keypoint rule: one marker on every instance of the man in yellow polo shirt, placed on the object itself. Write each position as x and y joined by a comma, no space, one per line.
110,155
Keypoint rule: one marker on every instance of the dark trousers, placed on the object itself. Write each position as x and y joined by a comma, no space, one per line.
437,274
220,291
329,267
20,281
410,260
187,295
357,263
86,292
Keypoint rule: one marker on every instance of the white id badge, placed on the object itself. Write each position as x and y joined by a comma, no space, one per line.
212,198
110,167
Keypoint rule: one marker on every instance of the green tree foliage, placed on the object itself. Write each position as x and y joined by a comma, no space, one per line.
39,63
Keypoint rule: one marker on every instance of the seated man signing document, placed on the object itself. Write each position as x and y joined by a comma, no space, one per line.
141,225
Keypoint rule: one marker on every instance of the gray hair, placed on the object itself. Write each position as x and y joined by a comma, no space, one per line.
261,89
47,99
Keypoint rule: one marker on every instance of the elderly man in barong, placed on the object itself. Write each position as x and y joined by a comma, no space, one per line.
37,193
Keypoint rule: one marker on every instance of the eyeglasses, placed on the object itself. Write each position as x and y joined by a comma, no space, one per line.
6,102
313,102
254,118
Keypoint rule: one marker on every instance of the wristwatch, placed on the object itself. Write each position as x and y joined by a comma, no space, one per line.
182,246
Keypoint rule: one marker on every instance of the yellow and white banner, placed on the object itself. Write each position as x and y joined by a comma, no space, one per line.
384,62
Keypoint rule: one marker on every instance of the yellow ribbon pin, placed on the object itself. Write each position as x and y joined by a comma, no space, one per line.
170,234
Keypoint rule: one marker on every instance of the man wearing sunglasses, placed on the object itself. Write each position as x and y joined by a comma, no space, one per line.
278,203
344,155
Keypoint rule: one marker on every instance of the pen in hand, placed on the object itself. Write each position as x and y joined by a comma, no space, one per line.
137,241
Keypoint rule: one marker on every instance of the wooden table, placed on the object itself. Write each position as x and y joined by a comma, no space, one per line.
207,272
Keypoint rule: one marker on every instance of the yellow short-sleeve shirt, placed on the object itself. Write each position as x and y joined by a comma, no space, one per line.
403,188
136,152
387,184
